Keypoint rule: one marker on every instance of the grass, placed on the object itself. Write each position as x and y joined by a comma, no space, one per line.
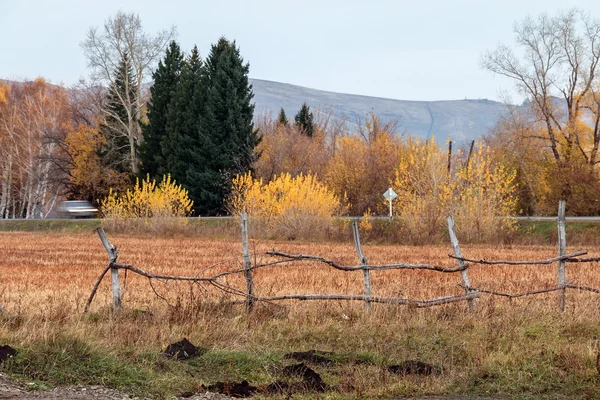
383,231
520,349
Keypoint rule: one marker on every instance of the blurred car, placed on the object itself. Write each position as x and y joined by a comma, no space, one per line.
77,209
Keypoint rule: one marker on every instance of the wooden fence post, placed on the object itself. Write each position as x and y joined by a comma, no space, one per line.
363,260
114,272
459,260
562,250
247,263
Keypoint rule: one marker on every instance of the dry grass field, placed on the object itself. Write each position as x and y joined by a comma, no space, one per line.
522,348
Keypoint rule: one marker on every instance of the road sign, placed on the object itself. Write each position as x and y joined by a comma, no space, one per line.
390,195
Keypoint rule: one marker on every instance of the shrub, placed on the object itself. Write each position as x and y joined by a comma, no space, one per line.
288,207
148,205
476,191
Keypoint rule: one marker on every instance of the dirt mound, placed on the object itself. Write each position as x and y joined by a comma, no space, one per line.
312,356
414,367
182,350
242,389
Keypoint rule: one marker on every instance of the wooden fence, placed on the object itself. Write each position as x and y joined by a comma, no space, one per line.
250,298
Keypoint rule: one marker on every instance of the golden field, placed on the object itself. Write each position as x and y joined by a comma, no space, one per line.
515,348
39,267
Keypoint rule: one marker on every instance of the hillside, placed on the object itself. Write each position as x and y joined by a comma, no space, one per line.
461,120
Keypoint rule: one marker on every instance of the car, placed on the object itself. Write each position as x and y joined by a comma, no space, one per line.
77,209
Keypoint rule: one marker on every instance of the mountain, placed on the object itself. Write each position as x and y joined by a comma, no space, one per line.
459,120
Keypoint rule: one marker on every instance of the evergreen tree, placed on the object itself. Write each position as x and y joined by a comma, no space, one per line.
305,120
282,118
119,151
166,78
226,134
184,112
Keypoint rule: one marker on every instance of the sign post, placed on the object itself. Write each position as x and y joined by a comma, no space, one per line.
390,195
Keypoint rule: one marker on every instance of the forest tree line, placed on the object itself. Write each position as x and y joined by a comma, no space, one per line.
197,123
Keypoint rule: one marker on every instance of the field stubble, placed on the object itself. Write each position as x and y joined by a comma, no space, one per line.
523,348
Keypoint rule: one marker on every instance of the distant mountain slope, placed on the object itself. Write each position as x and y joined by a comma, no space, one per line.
461,120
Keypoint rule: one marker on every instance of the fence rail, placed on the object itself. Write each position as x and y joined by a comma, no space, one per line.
281,258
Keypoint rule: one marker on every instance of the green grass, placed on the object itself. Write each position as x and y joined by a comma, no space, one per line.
504,353
384,231
69,225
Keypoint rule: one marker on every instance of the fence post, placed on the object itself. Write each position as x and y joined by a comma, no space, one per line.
461,263
247,263
363,260
114,272
562,250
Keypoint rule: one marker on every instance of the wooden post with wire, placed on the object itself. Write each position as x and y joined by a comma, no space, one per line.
562,250
364,262
460,261
113,254
247,263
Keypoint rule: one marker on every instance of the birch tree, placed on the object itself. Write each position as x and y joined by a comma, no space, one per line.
559,60
123,36
33,117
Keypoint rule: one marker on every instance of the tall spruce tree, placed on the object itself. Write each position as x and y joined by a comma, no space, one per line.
305,120
226,134
282,118
120,149
184,113
166,78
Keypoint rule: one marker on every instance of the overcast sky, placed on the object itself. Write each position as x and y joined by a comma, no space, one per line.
410,50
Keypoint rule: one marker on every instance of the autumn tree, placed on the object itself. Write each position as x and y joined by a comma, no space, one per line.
475,190
557,72
33,118
364,164
285,149
106,48
165,80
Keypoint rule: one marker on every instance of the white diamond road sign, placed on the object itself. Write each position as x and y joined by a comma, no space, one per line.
390,195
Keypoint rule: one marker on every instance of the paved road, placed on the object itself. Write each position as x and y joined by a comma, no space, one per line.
225,218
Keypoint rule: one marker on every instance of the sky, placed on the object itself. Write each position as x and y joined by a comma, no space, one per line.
409,50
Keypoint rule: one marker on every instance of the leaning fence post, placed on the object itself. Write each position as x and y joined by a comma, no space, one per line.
247,263
365,264
114,272
461,263
562,250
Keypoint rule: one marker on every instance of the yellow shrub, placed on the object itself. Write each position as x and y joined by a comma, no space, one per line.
484,192
476,194
149,204
287,206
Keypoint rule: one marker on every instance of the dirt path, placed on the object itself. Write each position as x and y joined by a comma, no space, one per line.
9,389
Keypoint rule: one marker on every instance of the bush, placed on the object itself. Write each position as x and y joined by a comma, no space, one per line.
286,207
475,191
148,206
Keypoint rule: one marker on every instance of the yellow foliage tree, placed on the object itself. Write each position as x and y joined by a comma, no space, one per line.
476,192
88,178
363,167
423,186
287,206
483,196
4,91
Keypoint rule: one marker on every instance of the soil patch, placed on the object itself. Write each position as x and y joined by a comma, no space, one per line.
182,350
414,367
